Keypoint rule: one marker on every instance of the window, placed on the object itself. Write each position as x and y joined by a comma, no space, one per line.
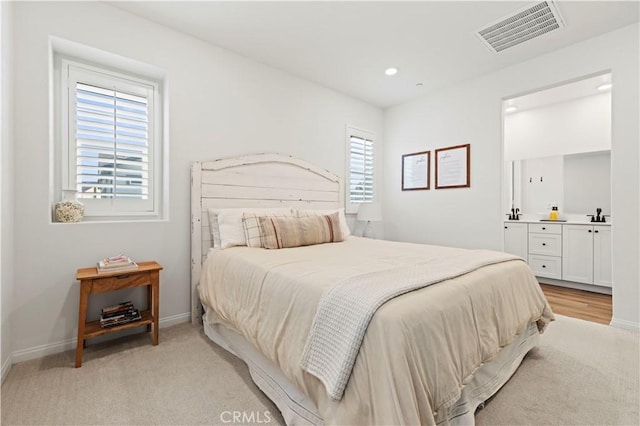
360,172
110,140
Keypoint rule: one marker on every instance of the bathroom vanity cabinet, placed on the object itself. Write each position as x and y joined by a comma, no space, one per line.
563,252
586,254
515,239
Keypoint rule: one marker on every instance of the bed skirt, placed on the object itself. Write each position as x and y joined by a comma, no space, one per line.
298,409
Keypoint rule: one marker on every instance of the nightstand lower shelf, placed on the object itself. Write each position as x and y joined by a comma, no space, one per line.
94,329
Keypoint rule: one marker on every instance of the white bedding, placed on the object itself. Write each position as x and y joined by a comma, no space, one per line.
344,311
420,349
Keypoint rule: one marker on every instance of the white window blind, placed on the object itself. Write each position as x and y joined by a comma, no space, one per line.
112,143
361,169
109,137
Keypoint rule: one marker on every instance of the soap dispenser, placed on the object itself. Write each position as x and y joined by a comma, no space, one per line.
553,214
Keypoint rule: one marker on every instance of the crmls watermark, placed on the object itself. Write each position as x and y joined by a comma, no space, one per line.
244,417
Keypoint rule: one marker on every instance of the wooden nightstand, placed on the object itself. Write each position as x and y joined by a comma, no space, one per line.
147,274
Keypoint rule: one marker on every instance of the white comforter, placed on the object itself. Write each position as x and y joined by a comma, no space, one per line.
345,310
420,348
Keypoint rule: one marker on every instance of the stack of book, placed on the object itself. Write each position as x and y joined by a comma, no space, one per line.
116,264
119,314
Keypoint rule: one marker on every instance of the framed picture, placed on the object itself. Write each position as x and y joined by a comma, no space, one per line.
452,167
415,170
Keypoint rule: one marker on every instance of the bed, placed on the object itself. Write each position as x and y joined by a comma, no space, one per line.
430,355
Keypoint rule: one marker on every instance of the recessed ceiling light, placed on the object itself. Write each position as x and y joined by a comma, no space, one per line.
605,86
511,108
391,71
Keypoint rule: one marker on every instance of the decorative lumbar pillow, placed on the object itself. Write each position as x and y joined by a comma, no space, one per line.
343,221
277,232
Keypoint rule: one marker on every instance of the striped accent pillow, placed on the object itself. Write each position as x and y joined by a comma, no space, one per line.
343,221
251,226
285,232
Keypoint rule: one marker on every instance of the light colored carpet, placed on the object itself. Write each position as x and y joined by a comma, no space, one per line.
581,374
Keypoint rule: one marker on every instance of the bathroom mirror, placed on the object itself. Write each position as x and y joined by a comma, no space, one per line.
575,183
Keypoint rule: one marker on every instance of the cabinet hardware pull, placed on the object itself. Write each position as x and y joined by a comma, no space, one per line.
544,266
596,231
506,227
544,244
589,230
543,228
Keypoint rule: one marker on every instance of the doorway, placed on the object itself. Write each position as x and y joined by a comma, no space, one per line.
557,157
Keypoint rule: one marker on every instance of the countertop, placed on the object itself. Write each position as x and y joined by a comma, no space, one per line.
555,222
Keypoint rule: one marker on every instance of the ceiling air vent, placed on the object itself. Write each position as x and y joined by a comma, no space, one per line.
525,24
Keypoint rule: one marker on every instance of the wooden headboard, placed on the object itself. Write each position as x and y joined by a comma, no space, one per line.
261,180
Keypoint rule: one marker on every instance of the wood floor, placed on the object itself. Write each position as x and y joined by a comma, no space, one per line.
581,304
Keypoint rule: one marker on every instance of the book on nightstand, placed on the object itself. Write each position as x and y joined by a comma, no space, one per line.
120,263
122,313
114,309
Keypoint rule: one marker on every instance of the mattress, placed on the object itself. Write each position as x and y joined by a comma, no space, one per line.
421,349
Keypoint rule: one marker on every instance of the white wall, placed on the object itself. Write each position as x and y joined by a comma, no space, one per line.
578,125
221,104
6,182
470,112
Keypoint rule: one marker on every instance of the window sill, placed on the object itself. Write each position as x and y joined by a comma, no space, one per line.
112,221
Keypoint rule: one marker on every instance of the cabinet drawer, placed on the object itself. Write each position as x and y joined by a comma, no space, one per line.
126,280
546,266
545,244
545,228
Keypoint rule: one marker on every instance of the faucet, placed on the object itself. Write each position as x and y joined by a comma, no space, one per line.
515,215
597,217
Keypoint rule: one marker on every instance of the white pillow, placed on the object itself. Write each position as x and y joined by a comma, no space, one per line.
213,222
226,224
344,228
213,227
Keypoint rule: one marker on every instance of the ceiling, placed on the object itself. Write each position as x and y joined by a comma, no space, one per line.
561,93
346,46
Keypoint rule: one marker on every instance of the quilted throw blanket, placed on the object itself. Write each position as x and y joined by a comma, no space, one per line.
345,310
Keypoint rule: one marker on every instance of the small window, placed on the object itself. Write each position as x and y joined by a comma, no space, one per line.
110,140
360,172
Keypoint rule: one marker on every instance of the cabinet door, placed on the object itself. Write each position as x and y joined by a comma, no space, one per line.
577,253
515,239
602,255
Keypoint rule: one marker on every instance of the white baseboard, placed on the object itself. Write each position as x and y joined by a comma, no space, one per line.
43,350
626,325
174,320
70,344
6,367
577,286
